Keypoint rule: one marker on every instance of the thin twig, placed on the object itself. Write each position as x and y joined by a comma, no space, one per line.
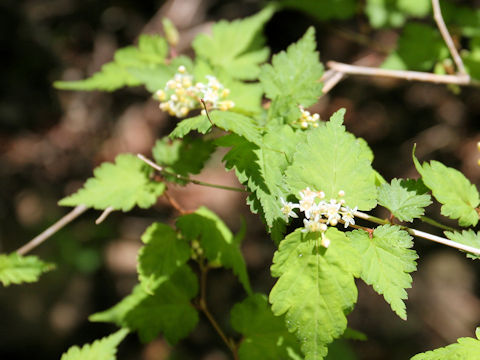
162,170
330,79
401,74
422,234
37,240
206,111
204,308
437,15
174,203
104,215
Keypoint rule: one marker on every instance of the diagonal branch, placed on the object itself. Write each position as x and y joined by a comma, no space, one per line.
37,240
437,15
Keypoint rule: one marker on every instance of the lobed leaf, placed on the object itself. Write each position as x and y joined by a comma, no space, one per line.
294,74
466,237
315,289
18,269
261,168
386,261
160,312
264,335
150,54
104,349
465,348
164,252
229,121
235,47
330,160
216,240
405,205
452,189
129,176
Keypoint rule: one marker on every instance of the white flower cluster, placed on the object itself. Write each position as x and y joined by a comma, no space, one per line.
318,212
306,119
180,96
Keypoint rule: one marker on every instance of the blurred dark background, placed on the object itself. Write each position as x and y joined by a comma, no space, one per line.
51,140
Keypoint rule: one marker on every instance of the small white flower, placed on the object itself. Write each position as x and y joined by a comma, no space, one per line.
348,215
287,209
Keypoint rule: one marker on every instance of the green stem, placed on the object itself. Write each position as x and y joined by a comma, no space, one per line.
187,179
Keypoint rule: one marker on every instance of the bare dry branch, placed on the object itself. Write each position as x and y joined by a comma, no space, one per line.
37,240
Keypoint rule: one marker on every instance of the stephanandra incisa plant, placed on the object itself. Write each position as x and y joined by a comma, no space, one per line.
292,165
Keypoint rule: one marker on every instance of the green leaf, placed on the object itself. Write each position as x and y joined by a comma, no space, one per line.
264,335
325,9
465,349
415,185
103,349
164,252
315,289
470,238
151,52
452,189
405,205
162,312
120,186
330,160
394,13
155,78
386,261
182,157
226,120
419,47
294,74
261,169
216,240
17,269
234,47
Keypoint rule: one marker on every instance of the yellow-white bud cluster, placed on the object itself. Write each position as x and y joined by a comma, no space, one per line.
307,120
320,213
180,95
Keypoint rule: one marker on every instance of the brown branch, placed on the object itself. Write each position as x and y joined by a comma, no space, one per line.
37,240
204,308
175,203
437,15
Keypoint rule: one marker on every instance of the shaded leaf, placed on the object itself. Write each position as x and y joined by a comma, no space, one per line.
163,253
216,240
161,312
265,335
